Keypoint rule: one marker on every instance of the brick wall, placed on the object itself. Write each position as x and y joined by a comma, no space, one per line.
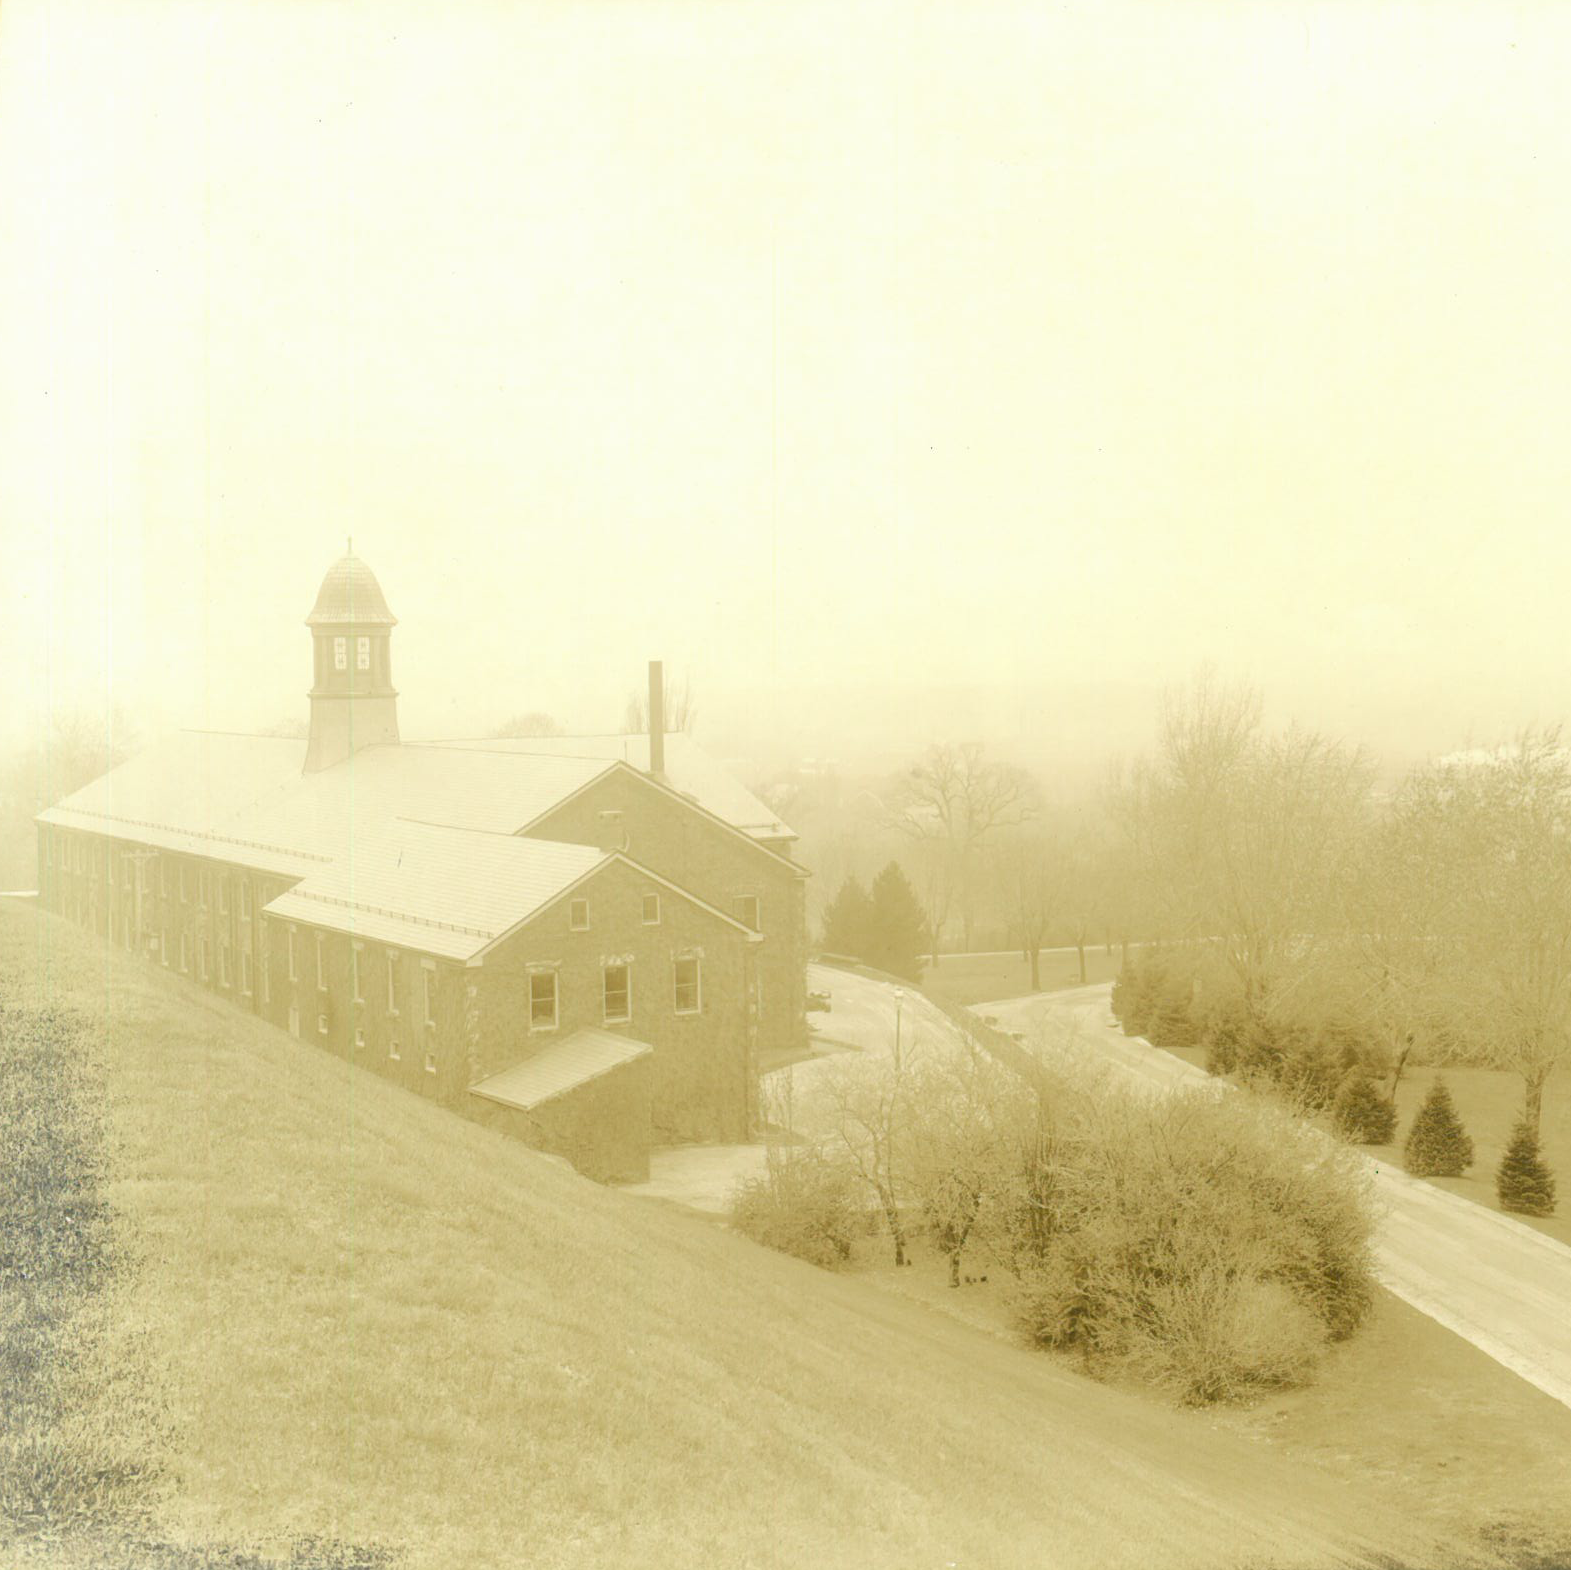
718,865
702,1083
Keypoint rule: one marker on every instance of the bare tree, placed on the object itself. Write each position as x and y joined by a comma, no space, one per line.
681,707
1245,842
865,1104
953,802
1494,837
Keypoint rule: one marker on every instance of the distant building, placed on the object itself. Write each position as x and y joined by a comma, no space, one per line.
590,942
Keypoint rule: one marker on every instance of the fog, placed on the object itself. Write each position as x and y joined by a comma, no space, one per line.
896,372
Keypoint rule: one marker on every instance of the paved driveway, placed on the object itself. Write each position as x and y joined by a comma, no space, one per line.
1503,1286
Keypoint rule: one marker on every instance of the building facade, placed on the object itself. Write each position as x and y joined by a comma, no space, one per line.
587,942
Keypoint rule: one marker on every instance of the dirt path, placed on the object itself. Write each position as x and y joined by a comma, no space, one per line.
1501,1285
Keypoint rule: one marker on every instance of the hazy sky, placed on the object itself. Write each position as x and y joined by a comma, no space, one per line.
908,345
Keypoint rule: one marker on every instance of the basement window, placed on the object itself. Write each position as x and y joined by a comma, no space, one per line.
651,910
392,1049
359,1035
689,993
578,915
430,1063
321,1024
618,994
542,1000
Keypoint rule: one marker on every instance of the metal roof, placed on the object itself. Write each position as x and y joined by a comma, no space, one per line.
350,596
444,891
561,1067
689,770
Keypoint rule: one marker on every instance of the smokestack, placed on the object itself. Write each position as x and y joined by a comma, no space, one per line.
656,720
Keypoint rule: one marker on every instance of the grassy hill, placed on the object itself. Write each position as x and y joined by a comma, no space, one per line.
370,1322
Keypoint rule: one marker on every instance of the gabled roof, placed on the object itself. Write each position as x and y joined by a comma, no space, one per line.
198,792
561,1067
445,891
689,770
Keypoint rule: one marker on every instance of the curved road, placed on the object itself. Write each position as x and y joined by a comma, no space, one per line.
1501,1285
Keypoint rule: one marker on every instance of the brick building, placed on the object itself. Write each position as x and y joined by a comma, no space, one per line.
589,942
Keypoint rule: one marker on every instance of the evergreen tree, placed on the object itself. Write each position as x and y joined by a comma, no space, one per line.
1360,1114
1523,1182
896,930
848,921
1437,1144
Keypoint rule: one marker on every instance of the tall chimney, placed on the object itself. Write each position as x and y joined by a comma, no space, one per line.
656,720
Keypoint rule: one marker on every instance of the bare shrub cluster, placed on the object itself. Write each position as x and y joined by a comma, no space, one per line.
1212,1246
1209,1245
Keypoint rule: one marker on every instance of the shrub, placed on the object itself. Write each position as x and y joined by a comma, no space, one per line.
1360,1114
1210,1244
1437,1144
804,1204
1524,1183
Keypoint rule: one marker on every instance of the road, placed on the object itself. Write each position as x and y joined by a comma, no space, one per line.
1499,1284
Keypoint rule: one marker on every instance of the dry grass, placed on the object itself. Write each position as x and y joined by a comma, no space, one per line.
374,1323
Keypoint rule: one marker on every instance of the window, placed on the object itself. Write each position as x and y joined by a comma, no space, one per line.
201,956
355,950
430,1063
185,884
163,876
363,654
618,995
689,999
245,972
294,1020
392,1049
264,953
340,654
294,972
321,965
223,963
223,895
359,1035
392,981
163,945
651,910
245,900
428,981
321,1024
745,908
185,952
542,1000
204,888
578,915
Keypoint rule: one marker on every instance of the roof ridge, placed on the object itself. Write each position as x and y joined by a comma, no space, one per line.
503,834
